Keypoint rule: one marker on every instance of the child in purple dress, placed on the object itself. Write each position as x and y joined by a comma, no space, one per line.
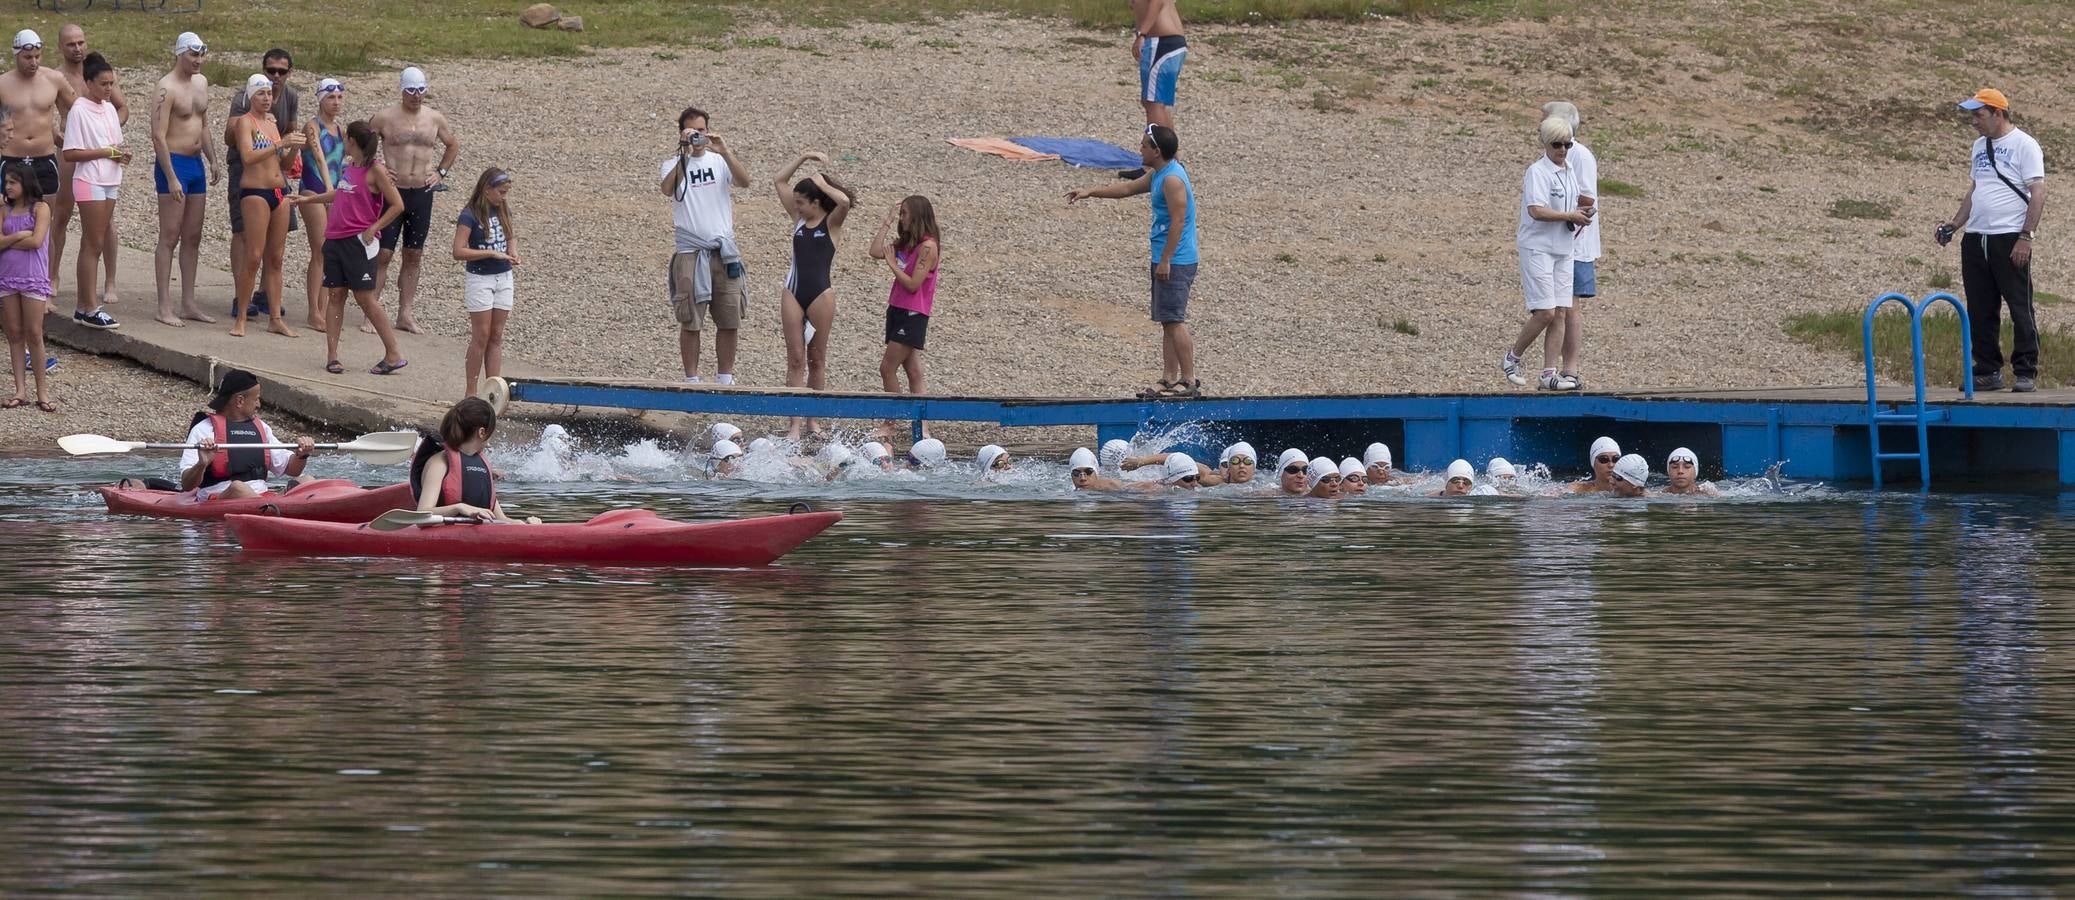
25,282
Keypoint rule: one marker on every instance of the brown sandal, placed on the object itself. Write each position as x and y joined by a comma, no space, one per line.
46,406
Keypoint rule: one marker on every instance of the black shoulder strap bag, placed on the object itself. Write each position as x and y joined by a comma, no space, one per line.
1990,143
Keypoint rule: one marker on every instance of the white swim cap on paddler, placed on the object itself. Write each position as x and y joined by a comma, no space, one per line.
1114,452
1376,454
760,444
1179,466
1601,447
1632,469
836,456
1499,468
1239,449
875,452
1461,468
1082,458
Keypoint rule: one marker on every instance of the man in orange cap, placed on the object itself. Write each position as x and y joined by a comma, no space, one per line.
1998,216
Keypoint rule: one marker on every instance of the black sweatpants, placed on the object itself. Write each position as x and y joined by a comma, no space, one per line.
1992,280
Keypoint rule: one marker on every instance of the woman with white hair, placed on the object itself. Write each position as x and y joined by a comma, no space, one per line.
1585,250
1549,215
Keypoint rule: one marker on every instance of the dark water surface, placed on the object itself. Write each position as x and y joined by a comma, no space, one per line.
958,697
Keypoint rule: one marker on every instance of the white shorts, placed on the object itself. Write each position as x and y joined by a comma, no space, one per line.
86,190
1546,279
483,293
210,492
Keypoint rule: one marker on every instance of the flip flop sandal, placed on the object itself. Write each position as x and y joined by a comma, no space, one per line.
335,367
14,403
384,368
46,406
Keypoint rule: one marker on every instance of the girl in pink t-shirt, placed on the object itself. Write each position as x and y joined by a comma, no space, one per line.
913,260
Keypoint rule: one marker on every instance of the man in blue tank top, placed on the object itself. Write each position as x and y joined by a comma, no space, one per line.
1174,255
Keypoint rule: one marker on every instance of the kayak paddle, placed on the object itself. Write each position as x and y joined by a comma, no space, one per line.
400,519
385,448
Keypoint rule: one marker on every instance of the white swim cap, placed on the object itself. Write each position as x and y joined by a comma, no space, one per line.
1114,451
1499,468
258,82
1351,466
1179,466
875,452
413,79
1632,469
722,431
927,452
1082,458
330,86
1602,446
723,450
1679,454
1292,455
987,455
761,444
26,39
189,42
1377,453
1320,468
1239,449
1461,468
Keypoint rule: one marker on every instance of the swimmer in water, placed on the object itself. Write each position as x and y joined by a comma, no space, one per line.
876,454
1631,472
992,461
1604,454
1114,452
1082,468
1323,479
1377,460
1354,478
1235,465
1683,468
1181,472
834,460
722,431
725,459
1461,478
1292,468
1500,471
927,453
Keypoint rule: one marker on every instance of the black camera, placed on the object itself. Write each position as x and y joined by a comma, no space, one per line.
1945,234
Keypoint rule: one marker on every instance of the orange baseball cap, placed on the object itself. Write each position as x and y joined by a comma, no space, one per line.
1989,97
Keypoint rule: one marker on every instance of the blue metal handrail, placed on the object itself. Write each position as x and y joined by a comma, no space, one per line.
1921,418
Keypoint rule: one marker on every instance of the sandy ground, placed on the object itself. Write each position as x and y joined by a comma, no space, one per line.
1348,177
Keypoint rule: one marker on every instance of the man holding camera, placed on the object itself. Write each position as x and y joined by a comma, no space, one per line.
706,272
1998,216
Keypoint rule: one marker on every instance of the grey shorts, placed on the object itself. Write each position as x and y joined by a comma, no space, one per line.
1171,297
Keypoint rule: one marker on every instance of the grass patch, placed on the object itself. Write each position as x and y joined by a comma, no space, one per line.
1404,326
1615,187
1839,331
2045,298
1941,279
1286,258
1891,232
1847,208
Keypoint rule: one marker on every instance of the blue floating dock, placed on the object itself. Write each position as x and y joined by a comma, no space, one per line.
1820,433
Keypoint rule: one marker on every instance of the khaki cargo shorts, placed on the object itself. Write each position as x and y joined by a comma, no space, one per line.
728,303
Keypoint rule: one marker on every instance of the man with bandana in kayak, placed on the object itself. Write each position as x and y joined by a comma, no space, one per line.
233,418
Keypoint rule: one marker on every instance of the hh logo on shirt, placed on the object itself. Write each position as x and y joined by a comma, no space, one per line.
703,176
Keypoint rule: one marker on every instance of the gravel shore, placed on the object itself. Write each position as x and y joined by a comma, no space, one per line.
1349,176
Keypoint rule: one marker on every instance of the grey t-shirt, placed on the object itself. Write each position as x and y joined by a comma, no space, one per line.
284,119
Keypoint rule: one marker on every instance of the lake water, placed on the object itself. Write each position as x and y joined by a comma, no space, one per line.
961,691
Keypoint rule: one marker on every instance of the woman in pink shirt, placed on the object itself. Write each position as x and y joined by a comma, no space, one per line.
913,260
93,144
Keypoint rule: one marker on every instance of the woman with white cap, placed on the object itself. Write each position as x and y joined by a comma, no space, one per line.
1322,479
1683,469
992,460
1376,461
1354,478
877,455
722,431
261,148
1631,472
724,459
1604,454
1500,470
1235,465
927,453
1461,478
324,163
1180,472
1293,471
834,460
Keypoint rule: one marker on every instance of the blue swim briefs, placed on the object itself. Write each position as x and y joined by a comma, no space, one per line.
194,179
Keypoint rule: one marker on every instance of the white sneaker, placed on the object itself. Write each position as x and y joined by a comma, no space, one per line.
1548,381
1566,382
691,379
724,378
1510,365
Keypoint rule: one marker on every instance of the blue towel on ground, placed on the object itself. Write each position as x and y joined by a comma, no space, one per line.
1084,152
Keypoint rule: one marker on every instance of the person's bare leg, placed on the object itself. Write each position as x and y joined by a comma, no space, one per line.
172,215
793,321
12,312
334,322
32,326
688,350
238,490
1170,367
1537,322
1158,113
478,346
382,261
724,350
251,257
493,351
110,246
1184,352
238,252
407,289
916,381
1573,340
371,306
890,363
191,257
274,224
1552,340
92,228
823,314
60,216
315,217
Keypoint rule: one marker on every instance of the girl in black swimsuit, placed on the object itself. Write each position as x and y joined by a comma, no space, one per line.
818,205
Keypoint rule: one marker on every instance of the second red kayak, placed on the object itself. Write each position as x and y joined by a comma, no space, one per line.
620,537
331,500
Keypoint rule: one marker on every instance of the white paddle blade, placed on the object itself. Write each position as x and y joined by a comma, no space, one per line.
400,519
382,457
90,444
387,448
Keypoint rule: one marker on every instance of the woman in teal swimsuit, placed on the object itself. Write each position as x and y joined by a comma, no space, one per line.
323,159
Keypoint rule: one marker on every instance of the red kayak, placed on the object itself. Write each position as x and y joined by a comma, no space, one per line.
620,537
331,500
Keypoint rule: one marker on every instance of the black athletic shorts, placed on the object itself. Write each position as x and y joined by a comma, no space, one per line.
346,264
412,225
45,167
906,326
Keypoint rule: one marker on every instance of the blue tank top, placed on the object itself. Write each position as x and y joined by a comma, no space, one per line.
1185,250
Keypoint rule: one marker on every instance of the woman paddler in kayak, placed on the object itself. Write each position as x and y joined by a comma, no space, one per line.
451,476
233,418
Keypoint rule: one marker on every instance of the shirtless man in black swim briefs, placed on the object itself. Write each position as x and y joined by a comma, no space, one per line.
419,148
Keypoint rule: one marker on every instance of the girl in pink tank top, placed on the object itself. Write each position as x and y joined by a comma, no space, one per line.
912,258
362,201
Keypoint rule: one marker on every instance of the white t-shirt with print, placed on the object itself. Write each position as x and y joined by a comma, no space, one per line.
1585,168
1546,185
277,460
1996,209
704,203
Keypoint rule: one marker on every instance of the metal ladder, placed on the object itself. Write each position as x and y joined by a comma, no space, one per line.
1921,417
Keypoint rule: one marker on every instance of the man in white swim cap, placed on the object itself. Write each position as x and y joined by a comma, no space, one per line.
1322,479
927,453
1604,454
1181,472
1683,469
876,454
725,458
1354,478
1114,452
1461,478
722,431
1630,474
1378,464
992,460
1500,470
1084,469
1292,471
835,460
419,148
1235,465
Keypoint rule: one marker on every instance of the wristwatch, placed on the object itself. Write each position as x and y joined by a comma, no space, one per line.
2026,235
442,174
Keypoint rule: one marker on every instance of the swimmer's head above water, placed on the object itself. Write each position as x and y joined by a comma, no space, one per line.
1461,478
1630,474
1354,477
1290,471
1236,464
